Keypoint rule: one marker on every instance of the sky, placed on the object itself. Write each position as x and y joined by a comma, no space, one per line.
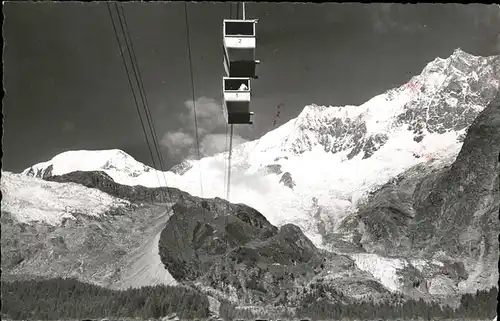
66,87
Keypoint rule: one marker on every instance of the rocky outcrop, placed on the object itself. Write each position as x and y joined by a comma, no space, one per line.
466,195
274,169
286,179
181,168
197,233
235,250
40,173
103,182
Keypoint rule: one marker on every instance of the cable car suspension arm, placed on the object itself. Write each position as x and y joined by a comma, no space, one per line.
231,136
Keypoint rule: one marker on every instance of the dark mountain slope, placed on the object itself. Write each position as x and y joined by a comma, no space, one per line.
235,250
103,182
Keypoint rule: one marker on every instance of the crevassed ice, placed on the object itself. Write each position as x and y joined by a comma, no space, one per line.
31,199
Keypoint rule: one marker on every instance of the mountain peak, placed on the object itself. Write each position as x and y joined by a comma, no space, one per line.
310,110
114,160
438,100
459,63
460,53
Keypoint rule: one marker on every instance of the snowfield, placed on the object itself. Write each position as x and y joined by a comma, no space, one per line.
31,199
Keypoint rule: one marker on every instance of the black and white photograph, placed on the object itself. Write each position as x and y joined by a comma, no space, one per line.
230,161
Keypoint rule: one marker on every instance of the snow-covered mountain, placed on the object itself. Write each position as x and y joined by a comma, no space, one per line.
313,170
123,167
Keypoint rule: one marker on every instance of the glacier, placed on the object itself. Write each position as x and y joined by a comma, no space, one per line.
34,199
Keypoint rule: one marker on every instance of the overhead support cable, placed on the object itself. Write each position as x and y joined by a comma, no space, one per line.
226,159
137,107
140,86
142,90
193,96
131,86
229,163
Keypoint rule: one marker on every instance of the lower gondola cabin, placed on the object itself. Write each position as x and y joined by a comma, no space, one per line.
236,102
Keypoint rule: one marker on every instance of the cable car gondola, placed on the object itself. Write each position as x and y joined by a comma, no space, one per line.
237,96
239,43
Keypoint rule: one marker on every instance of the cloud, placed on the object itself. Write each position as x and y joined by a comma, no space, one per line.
212,129
177,143
216,143
208,113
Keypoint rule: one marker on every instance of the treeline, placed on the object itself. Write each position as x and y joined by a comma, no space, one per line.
481,305
71,299
228,311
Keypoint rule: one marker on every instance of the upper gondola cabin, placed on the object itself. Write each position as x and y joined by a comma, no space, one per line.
239,34
239,48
